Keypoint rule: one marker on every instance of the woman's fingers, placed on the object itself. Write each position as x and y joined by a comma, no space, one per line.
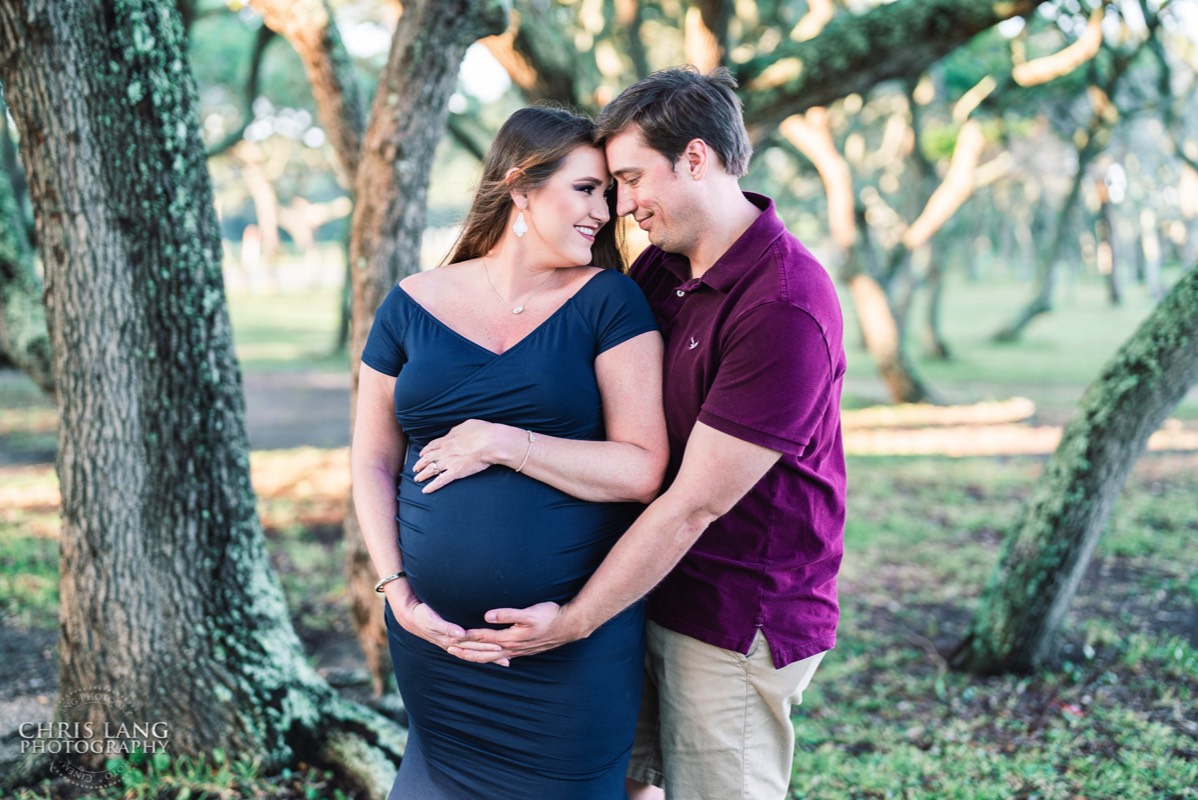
429,467
440,479
480,657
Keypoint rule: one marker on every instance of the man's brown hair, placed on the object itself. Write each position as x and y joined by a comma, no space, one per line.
674,106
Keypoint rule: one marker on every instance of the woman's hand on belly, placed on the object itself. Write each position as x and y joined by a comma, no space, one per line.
419,619
467,449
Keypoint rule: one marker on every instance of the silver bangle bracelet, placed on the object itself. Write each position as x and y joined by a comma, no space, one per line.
378,587
532,437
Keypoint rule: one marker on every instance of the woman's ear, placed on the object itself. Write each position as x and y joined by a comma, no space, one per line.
519,196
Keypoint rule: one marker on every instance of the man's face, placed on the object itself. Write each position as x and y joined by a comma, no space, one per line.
657,194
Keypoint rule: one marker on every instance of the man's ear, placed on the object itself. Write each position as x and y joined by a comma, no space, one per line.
696,158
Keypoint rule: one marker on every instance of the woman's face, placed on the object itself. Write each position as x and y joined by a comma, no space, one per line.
569,209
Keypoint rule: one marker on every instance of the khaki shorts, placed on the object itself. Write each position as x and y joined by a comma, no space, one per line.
715,724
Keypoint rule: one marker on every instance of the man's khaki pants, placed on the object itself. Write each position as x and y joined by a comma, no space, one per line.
715,724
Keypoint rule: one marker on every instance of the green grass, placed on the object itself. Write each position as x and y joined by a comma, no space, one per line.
286,331
884,717
1115,718
159,775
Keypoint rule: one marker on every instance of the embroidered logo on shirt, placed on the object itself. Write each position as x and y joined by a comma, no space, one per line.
692,344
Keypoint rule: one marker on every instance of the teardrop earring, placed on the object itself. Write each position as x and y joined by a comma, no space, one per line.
520,227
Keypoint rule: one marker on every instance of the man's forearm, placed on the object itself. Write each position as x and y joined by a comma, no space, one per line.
717,469
645,554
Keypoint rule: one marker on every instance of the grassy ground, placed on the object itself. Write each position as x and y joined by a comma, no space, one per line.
1114,718
286,332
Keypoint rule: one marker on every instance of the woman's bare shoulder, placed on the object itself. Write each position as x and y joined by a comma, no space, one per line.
432,283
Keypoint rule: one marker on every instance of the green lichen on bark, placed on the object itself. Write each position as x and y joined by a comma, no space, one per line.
1019,615
158,508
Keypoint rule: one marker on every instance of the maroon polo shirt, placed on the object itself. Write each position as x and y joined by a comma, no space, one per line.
754,349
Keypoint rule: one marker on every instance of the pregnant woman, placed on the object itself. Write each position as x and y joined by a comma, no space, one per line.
512,400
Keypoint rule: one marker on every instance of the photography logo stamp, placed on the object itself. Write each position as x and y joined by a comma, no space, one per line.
92,733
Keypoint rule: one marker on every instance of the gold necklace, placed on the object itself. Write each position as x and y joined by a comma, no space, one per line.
520,308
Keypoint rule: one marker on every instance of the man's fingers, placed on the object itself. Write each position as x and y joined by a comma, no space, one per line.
508,616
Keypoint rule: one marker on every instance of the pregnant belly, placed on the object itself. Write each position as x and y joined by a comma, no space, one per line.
499,539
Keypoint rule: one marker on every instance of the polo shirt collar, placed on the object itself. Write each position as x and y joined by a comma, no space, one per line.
746,250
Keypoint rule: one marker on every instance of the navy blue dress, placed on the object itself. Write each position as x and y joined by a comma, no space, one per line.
558,725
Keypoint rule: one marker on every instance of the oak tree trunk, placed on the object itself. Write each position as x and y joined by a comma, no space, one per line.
1019,617
933,331
166,596
1104,233
883,333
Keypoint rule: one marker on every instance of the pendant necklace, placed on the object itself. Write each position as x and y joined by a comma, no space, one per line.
520,308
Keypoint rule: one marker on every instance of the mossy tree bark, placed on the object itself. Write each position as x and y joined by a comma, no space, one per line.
166,594
1019,616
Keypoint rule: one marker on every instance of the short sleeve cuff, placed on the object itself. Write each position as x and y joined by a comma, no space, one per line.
625,336
374,364
751,435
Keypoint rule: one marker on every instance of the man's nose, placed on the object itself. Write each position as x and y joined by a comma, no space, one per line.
625,205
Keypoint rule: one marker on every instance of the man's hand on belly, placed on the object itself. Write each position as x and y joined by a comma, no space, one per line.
419,619
532,630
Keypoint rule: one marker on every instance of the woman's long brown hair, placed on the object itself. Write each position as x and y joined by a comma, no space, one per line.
534,140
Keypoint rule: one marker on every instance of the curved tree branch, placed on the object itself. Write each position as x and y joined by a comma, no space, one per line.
1021,611
854,53
1047,68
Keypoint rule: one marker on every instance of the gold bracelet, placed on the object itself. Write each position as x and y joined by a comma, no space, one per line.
378,587
532,437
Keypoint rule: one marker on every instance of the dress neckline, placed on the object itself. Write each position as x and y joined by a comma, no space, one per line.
441,323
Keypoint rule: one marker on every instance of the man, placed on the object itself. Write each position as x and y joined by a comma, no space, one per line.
750,527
